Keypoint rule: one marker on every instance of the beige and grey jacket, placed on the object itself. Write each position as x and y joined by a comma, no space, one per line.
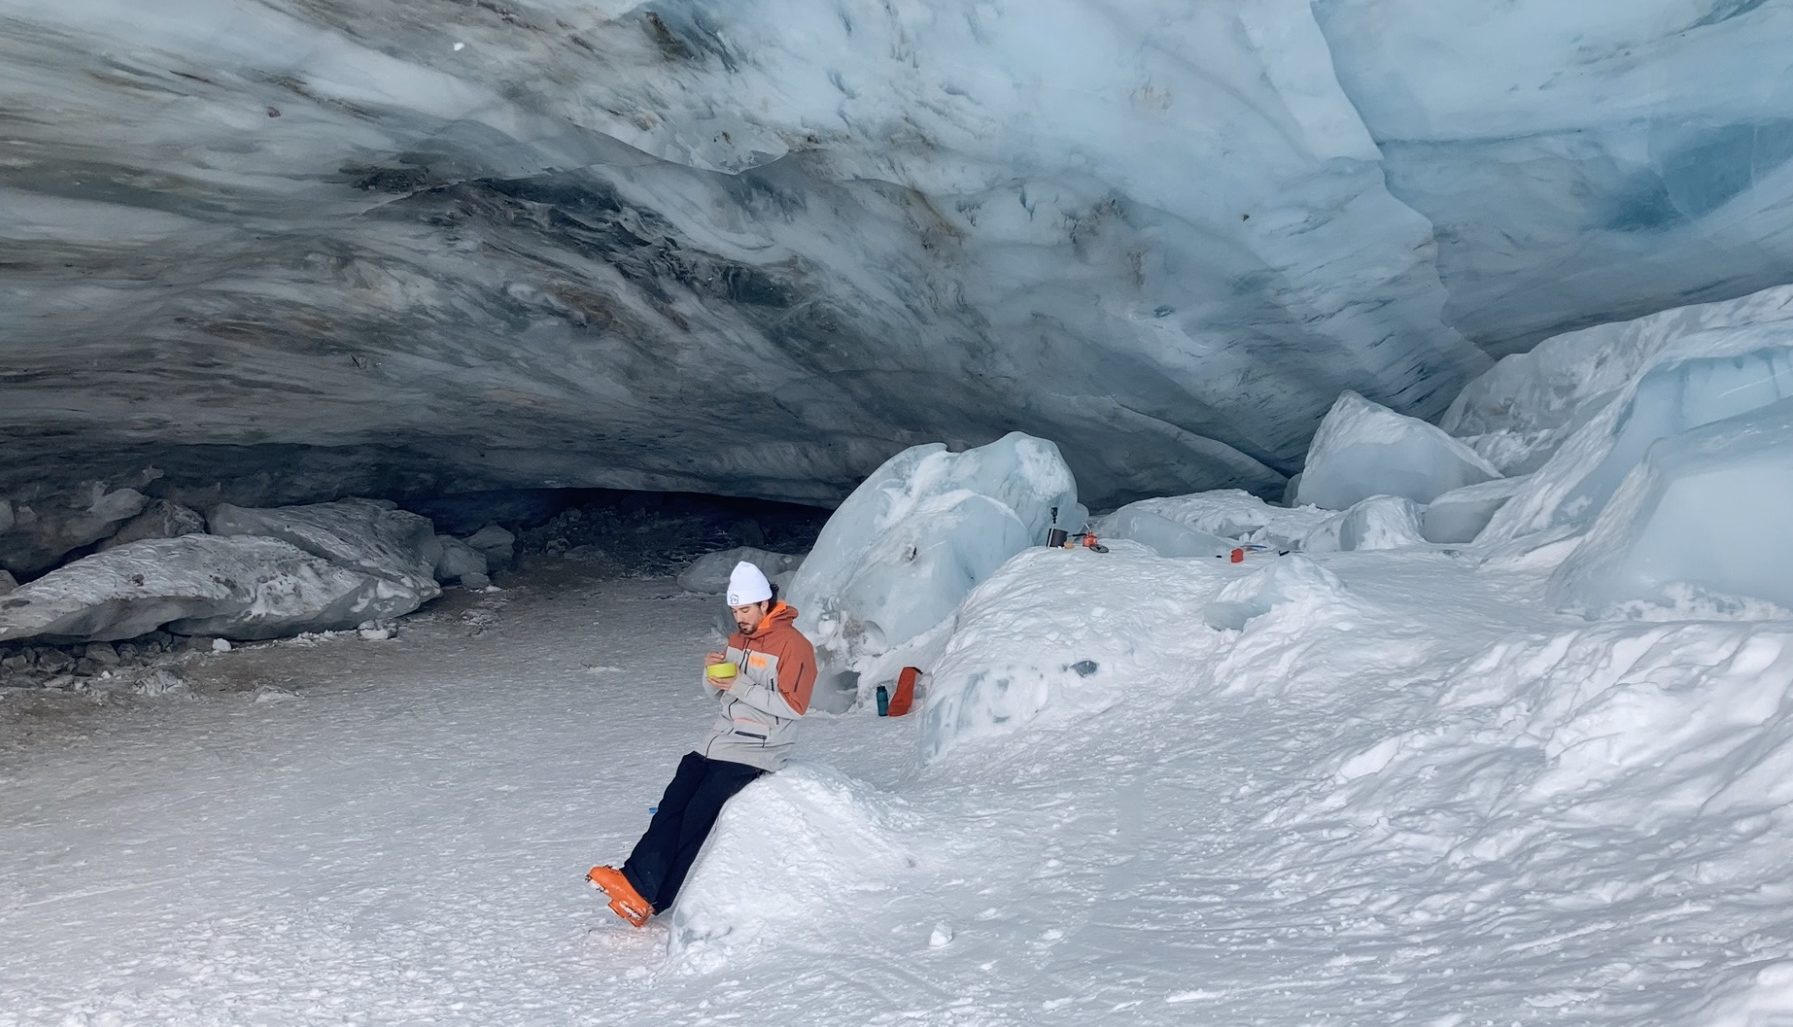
776,674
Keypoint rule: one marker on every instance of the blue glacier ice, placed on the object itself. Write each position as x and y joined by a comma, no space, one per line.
1363,449
1692,380
1705,512
756,249
900,553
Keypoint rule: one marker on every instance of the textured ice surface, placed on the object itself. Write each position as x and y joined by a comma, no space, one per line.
1707,509
1579,163
897,557
1364,449
359,534
246,587
756,248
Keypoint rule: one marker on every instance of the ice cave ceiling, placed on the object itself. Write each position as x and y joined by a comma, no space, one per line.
754,248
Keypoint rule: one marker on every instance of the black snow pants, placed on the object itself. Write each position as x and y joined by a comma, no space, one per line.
687,811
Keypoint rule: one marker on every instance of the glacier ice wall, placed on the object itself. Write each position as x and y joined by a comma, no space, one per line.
757,248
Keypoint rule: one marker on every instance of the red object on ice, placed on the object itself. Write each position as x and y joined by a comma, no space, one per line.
904,697
1238,556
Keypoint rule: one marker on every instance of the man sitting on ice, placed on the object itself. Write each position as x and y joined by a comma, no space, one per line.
763,682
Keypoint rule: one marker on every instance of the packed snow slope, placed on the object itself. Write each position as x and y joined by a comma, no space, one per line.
757,248
1398,791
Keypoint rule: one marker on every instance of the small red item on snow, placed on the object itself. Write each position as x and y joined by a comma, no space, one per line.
1238,556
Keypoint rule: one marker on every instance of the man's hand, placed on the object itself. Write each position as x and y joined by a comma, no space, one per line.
719,660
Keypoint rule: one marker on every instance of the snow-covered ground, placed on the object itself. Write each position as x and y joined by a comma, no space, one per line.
1352,811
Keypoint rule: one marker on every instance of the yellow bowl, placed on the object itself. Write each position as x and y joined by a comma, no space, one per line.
720,671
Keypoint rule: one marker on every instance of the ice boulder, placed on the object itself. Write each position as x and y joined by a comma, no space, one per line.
159,519
900,553
1566,378
1292,581
1231,515
7,583
839,843
1160,534
1523,409
1706,512
496,544
459,561
46,528
1460,514
708,574
360,534
1363,449
247,587
1380,522
1695,380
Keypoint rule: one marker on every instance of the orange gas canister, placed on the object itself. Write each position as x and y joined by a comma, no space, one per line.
904,697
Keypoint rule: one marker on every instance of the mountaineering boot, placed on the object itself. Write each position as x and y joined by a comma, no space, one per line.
625,901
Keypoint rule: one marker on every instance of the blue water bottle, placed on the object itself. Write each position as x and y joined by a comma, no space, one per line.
883,701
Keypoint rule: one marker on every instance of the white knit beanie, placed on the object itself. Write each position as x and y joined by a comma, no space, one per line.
748,585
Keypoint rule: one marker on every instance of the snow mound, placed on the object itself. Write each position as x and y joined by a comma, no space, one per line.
1229,514
1379,522
1694,381
1587,776
901,552
363,535
708,574
1708,509
1628,723
837,841
1293,582
1363,449
244,587
1460,515
1056,638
